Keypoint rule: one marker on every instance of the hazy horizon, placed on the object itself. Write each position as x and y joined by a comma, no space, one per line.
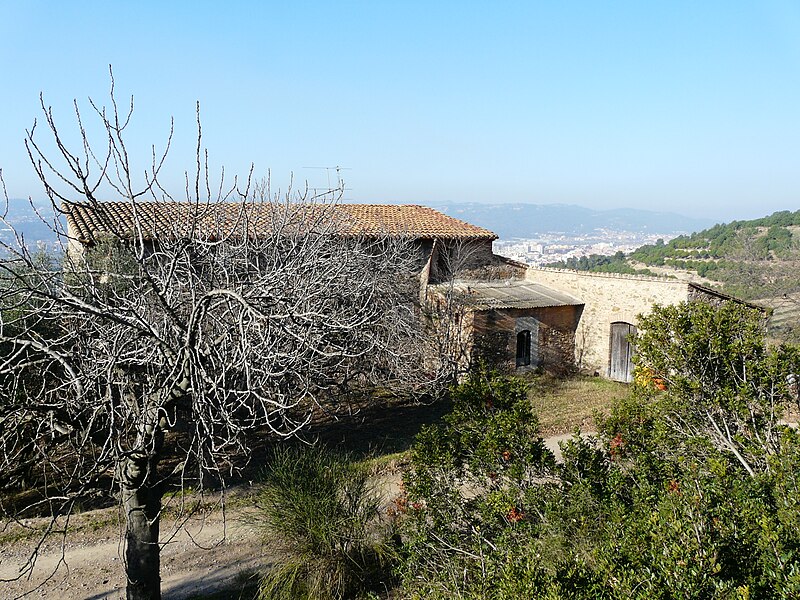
687,107
42,201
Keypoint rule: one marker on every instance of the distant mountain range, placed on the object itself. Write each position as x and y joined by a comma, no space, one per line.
532,220
507,220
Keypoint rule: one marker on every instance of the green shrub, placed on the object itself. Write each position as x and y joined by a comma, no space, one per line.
687,492
321,512
470,513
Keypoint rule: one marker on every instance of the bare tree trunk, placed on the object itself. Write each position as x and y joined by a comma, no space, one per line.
141,500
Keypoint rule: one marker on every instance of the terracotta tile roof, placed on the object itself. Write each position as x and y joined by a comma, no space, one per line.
88,220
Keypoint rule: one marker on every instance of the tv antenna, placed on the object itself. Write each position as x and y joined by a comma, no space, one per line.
328,170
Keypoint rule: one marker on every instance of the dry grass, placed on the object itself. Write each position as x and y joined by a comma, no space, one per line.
564,404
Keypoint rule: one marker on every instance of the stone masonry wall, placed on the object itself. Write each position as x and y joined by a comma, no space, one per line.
495,337
608,298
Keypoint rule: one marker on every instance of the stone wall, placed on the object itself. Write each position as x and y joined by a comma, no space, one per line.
608,298
553,337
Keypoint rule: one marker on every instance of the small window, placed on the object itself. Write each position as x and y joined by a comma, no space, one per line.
524,348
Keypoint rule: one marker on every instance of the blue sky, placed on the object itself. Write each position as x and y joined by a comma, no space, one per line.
692,107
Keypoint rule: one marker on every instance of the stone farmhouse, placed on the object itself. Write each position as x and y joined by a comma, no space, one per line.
511,316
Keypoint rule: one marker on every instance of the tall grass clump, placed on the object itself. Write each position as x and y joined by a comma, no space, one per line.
320,513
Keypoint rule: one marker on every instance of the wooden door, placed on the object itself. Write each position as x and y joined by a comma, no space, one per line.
523,348
621,363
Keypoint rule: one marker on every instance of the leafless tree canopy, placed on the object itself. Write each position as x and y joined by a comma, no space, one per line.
234,331
244,313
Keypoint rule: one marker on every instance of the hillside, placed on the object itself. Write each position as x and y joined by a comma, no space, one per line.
756,260
752,259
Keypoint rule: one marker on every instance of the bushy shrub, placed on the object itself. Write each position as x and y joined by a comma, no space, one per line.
469,501
320,513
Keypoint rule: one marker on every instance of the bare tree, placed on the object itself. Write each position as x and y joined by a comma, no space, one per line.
181,329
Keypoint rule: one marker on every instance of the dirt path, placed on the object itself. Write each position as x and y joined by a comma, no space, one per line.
207,555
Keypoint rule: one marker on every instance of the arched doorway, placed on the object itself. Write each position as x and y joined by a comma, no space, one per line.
621,362
526,330
524,348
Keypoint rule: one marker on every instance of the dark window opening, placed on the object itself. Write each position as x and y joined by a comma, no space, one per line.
524,348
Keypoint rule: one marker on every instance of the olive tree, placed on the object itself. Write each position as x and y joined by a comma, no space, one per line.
177,335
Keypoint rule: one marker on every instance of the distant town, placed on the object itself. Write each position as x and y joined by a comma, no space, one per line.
551,247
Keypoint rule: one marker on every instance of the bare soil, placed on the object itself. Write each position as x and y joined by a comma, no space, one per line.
215,553
209,553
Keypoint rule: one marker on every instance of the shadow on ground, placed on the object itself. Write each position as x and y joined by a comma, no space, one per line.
385,429
372,430
220,584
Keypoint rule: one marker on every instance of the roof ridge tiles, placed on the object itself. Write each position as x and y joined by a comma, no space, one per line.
89,219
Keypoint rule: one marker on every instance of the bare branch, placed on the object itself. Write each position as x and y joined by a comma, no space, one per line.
203,321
